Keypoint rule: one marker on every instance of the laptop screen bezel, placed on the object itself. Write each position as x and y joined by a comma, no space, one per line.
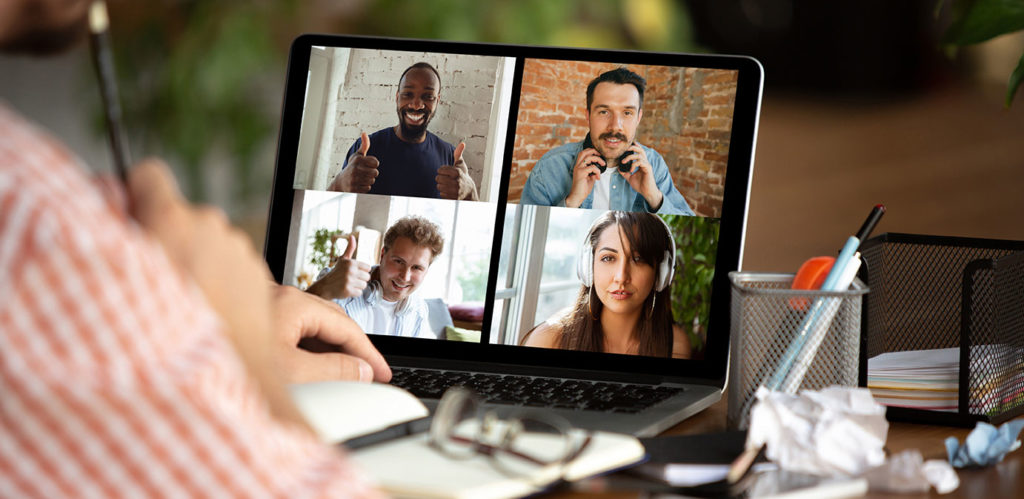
710,369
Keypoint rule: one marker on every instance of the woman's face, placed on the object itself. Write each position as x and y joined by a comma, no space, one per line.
622,280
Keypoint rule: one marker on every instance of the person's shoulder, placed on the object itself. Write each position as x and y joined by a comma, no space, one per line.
547,335
439,143
377,139
681,348
652,153
558,159
347,303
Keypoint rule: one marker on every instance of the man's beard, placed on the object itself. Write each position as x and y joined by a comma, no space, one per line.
413,131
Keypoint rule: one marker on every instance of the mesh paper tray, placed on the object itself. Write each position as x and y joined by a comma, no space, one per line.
967,294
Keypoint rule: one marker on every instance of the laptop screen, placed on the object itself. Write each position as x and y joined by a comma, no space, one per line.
523,205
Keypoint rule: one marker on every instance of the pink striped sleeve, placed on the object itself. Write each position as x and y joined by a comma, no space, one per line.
116,380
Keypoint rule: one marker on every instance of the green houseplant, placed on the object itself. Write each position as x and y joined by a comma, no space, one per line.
324,247
976,21
696,243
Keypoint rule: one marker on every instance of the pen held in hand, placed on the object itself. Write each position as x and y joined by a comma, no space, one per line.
103,62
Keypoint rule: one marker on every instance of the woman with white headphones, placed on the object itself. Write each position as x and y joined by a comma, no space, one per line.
626,265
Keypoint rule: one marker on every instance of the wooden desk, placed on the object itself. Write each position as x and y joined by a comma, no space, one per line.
1004,480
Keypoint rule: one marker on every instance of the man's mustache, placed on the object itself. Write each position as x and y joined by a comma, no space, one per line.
613,135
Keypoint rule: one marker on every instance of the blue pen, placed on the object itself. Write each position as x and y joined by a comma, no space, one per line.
832,282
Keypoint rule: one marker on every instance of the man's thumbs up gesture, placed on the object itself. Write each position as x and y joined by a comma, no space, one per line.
348,278
360,172
453,181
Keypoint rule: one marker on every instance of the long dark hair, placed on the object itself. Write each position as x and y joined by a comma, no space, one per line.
581,329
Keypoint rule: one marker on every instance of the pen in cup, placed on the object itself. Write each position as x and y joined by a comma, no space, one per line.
99,23
838,279
827,311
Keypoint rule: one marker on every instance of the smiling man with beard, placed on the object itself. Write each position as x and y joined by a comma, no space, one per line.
587,175
408,160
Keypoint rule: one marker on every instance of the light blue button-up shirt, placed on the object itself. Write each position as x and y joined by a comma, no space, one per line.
410,321
550,181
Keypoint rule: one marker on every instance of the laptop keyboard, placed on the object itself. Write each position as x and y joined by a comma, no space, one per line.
535,392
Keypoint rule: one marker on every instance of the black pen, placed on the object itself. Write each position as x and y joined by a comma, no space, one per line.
99,23
871,222
390,433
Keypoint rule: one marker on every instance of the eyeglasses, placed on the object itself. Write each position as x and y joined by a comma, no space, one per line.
532,444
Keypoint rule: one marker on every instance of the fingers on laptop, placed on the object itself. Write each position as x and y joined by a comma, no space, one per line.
302,315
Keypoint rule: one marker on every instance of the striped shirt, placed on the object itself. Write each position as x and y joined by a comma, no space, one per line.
410,318
115,377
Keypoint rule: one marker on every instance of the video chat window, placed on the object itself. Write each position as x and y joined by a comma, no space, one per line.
540,282
355,91
456,276
686,120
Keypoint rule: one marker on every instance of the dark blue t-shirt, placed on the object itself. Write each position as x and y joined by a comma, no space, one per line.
406,169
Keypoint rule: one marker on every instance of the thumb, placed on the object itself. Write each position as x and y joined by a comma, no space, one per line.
364,144
458,152
152,190
350,250
331,366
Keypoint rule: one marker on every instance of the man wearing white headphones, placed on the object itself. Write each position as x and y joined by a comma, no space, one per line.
626,266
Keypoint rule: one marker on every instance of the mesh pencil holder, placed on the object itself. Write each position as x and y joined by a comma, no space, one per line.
767,315
963,295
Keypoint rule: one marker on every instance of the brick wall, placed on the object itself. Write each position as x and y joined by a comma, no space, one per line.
366,101
687,119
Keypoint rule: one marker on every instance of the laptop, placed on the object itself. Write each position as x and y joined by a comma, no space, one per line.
522,303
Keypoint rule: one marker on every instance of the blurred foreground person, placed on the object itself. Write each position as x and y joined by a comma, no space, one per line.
144,352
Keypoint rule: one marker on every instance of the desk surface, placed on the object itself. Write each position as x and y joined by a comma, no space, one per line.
1005,480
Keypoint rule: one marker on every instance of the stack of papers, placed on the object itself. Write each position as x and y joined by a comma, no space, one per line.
929,379
918,379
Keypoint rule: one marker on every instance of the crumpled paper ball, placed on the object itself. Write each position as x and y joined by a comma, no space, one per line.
834,431
908,473
985,445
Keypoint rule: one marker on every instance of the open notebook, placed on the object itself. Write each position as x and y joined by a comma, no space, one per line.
408,467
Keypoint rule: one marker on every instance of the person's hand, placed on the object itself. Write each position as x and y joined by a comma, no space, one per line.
300,316
584,173
360,173
204,247
641,176
453,181
348,278
201,243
